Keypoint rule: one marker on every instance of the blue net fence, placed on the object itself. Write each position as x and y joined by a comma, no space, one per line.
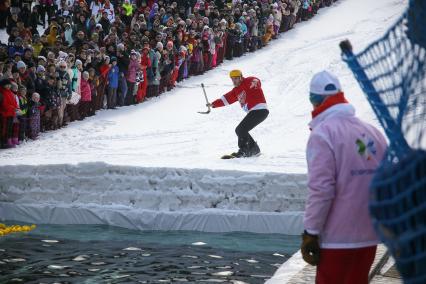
392,73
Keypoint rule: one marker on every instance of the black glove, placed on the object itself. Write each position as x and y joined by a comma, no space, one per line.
310,248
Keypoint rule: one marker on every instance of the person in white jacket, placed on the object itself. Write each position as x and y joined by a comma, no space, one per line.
96,6
343,153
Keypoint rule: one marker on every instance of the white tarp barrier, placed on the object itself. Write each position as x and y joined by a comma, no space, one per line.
205,220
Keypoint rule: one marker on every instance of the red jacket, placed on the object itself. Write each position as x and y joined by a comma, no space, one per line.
9,105
249,93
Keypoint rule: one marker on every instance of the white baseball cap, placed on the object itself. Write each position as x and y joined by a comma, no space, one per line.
324,83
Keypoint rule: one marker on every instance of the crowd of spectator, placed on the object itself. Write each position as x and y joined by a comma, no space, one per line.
66,59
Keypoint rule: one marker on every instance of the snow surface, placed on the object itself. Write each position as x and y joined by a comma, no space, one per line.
162,156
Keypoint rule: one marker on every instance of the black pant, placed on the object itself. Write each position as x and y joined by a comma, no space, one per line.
252,119
3,17
7,130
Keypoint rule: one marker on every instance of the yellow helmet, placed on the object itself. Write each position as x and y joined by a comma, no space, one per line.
235,73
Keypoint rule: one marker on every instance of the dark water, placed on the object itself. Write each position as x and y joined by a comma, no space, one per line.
103,254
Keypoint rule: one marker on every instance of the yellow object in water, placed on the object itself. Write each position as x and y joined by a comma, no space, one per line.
4,230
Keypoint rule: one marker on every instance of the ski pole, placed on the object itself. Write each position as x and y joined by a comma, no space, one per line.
207,101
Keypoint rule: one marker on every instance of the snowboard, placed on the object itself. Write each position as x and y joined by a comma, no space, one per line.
230,156
227,157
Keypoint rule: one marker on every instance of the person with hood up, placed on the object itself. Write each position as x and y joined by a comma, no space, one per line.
51,37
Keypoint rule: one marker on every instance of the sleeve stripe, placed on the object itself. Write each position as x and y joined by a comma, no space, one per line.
225,102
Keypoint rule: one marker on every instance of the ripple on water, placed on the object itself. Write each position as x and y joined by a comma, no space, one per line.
81,257
108,261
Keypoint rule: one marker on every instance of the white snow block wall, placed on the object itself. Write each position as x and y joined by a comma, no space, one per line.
153,198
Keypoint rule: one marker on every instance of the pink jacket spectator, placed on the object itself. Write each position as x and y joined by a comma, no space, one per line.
340,163
134,67
86,93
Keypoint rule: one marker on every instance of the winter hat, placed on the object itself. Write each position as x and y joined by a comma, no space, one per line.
5,82
235,73
113,58
120,46
78,62
35,96
62,54
42,58
159,45
21,64
324,83
15,69
40,68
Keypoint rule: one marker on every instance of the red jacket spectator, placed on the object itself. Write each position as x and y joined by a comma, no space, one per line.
9,105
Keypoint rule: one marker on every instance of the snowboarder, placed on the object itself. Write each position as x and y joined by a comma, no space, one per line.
249,93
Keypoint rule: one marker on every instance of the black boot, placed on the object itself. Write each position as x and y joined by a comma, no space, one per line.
254,150
239,154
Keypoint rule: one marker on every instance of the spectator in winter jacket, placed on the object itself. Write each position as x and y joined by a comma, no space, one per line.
64,88
145,63
154,82
34,116
15,124
123,61
109,9
8,109
25,76
86,95
113,77
133,69
342,154
50,99
22,113
95,7
16,48
248,92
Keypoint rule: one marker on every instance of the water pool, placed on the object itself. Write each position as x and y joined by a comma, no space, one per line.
105,254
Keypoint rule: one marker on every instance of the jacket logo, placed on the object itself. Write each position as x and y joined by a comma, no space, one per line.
254,84
242,97
366,147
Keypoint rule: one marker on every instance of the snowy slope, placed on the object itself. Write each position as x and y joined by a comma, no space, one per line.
168,133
